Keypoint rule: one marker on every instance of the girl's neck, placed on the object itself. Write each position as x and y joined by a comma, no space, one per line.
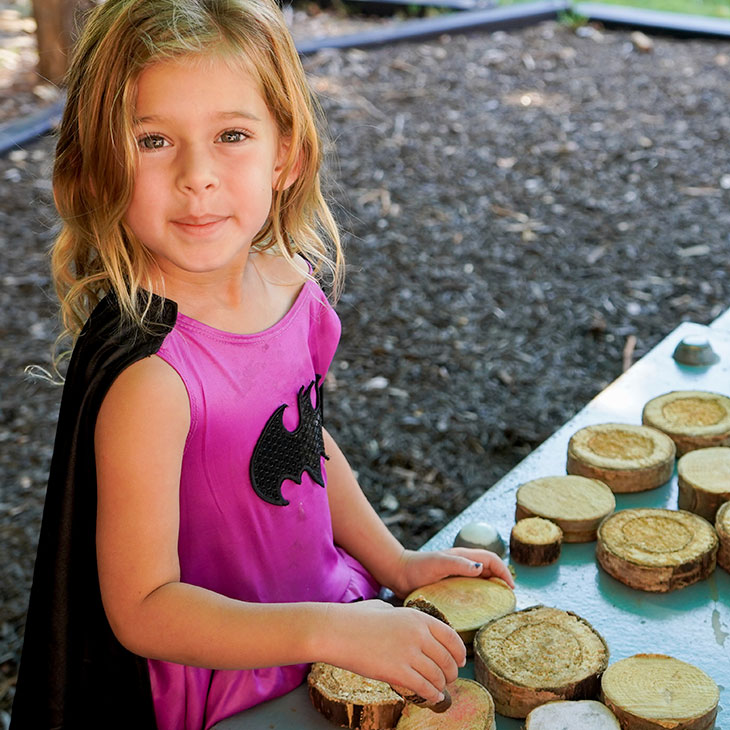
246,302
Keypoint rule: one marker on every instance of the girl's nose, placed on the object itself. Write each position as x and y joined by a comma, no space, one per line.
197,171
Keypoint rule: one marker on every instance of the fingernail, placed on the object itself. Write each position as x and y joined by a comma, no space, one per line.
442,697
478,566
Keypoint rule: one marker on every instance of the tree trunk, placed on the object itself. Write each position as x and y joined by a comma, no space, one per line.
57,23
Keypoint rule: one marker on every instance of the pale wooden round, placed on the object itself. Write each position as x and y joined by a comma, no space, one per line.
626,457
576,504
572,715
656,550
722,527
468,603
537,655
351,700
703,478
472,708
694,419
648,691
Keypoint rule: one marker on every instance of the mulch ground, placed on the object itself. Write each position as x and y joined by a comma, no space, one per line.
525,212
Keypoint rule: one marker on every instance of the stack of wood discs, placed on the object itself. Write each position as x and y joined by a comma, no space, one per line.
472,708
658,692
693,419
656,550
353,701
722,527
572,715
704,480
538,655
535,541
467,603
575,504
628,458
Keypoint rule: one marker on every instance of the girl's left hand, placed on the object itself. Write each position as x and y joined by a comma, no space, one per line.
418,569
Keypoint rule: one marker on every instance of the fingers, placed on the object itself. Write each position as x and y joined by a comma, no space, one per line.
480,563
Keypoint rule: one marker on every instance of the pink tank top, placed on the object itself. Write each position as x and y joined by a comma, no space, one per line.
248,530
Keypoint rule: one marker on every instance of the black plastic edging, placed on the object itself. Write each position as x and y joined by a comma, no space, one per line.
654,19
499,18
14,134
446,4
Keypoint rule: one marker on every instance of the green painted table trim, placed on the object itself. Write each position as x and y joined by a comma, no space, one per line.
692,624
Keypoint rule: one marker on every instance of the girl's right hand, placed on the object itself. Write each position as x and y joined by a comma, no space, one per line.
400,646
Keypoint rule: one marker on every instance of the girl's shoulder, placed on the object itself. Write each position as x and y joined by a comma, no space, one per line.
279,270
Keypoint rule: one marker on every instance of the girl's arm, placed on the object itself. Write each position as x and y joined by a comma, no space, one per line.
140,436
361,532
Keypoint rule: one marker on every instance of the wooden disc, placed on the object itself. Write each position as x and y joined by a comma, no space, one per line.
575,504
628,458
537,655
693,419
703,477
353,701
656,550
722,527
535,541
472,708
654,691
572,715
468,603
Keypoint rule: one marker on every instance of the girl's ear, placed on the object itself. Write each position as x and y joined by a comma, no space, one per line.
281,162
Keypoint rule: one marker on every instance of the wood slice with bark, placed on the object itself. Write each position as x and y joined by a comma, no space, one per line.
467,603
472,708
693,419
703,477
576,504
656,550
572,715
535,541
659,692
538,655
722,527
353,701
628,458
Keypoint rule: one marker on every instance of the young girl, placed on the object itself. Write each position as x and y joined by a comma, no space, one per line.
195,555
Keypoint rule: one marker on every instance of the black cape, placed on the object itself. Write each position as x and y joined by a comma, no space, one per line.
74,674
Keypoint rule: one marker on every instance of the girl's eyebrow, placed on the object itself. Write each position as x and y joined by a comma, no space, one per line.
238,114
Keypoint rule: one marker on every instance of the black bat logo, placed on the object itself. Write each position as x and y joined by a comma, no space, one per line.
280,454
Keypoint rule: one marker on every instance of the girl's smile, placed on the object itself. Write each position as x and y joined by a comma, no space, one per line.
209,157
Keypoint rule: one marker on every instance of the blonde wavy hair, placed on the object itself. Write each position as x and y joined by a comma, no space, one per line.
93,176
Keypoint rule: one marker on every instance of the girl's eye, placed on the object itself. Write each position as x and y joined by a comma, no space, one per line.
233,135
151,142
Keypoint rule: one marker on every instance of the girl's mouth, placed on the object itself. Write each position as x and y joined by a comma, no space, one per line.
200,225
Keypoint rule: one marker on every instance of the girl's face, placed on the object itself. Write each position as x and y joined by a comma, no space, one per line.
209,157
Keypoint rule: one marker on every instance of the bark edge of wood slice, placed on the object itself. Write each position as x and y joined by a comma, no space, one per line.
572,715
703,478
350,700
722,527
467,603
659,692
535,541
538,655
576,504
693,419
626,457
472,708
656,550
